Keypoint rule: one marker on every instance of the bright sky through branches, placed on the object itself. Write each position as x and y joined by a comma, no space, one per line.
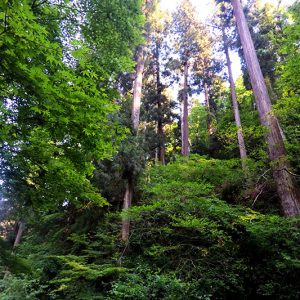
205,8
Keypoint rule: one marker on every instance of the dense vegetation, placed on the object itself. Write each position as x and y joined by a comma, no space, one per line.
134,166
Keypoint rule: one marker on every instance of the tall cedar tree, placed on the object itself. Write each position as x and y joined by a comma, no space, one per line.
235,106
157,105
148,6
285,182
225,18
188,46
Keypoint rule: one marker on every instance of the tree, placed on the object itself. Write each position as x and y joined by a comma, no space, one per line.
188,45
235,106
223,24
160,32
140,57
205,68
157,102
226,126
156,110
266,22
285,182
139,68
137,86
56,106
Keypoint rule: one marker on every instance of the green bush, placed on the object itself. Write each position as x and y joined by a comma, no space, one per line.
227,251
185,243
20,288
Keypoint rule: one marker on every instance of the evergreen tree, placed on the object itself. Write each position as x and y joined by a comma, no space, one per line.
189,45
285,182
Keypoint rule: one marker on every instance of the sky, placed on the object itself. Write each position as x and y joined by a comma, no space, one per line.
205,8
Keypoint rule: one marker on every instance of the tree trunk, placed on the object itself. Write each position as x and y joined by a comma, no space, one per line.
160,128
21,228
126,204
135,111
135,120
210,128
161,135
137,87
206,96
184,120
235,107
286,185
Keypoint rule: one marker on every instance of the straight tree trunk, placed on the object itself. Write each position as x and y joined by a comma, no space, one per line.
160,128
137,87
235,107
126,204
135,120
156,152
140,57
206,96
286,185
21,228
210,127
184,120
135,112
161,135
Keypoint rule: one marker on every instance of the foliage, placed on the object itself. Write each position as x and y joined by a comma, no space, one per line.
226,128
144,283
56,105
55,118
288,83
198,130
226,251
17,288
9,262
183,237
66,150
112,39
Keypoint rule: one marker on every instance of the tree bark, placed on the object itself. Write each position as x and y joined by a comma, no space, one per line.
206,96
21,228
137,87
235,107
184,121
160,128
161,135
135,110
135,120
286,185
126,204
210,128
